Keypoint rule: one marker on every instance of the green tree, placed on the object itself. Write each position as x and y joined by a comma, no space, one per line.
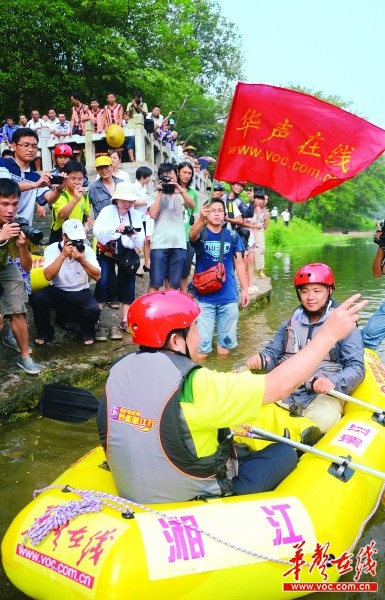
180,53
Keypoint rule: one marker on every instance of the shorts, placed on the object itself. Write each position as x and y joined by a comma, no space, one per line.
129,143
168,261
189,259
226,318
14,298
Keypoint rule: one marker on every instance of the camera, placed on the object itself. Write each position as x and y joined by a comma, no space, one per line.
33,235
167,187
79,245
381,240
138,99
56,180
128,230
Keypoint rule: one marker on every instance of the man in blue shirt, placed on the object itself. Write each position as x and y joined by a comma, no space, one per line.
219,307
8,130
34,187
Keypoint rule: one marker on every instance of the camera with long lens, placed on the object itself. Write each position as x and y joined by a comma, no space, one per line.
381,239
128,230
33,235
167,187
79,245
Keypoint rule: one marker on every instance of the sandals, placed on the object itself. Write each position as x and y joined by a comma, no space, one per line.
113,305
124,326
40,341
88,341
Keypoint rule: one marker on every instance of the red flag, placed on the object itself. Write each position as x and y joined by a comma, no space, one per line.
294,143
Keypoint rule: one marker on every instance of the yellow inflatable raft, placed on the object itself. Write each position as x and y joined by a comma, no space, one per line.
262,546
38,281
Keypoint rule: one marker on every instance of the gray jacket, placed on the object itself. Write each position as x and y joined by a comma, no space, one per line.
343,365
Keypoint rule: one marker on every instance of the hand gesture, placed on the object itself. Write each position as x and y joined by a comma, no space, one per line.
323,385
245,298
254,363
8,231
21,240
78,192
44,181
205,211
343,320
68,249
79,256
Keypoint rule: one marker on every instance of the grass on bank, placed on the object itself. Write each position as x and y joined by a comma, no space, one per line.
298,233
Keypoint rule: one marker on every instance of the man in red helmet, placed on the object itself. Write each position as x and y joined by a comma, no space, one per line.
62,154
342,368
164,419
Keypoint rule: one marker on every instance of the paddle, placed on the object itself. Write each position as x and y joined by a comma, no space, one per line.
343,461
67,403
380,412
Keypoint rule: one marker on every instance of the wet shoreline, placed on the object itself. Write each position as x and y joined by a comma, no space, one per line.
67,361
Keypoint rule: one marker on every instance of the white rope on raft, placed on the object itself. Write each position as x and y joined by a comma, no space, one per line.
93,501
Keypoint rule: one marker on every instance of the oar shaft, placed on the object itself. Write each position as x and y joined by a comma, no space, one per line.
347,398
317,452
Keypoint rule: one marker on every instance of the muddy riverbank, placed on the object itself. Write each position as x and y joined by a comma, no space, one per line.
67,361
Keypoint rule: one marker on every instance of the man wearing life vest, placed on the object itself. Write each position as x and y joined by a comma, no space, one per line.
342,368
163,419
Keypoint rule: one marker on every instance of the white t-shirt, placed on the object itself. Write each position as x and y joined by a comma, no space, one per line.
169,229
108,220
72,277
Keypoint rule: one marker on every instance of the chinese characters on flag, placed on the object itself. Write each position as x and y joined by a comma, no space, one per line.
294,143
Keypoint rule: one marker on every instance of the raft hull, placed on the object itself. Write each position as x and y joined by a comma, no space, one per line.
227,549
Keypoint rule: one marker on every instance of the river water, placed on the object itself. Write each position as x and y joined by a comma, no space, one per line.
34,451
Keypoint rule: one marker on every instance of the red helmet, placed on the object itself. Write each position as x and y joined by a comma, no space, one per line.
244,183
314,273
62,150
152,316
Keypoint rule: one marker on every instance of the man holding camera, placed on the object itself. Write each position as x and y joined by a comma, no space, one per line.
34,187
135,107
374,331
68,265
13,242
168,241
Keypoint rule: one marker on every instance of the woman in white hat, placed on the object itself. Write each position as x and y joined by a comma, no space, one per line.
117,228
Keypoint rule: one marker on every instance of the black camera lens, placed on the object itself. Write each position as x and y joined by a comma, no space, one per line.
79,245
128,230
33,235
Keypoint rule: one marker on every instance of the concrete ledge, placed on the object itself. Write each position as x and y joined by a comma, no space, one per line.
66,361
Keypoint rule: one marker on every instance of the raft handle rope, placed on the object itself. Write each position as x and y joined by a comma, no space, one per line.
36,534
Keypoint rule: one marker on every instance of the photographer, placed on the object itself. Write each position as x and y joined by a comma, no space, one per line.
374,331
68,265
135,107
168,242
118,227
73,202
12,301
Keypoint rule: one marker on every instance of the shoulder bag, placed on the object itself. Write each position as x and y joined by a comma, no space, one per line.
128,258
213,278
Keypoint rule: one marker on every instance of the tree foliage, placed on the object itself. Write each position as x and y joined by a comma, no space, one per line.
180,53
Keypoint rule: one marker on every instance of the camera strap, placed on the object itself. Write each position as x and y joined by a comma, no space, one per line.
121,217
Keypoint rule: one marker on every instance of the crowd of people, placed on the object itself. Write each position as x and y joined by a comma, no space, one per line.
63,125
316,350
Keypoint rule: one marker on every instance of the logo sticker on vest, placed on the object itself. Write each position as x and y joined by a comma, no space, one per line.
132,417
